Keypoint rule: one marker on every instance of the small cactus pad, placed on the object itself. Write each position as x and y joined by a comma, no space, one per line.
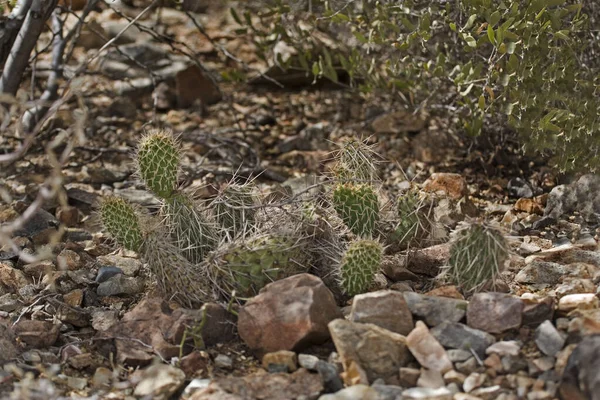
192,232
413,223
355,161
158,163
359,264
477,256
358,206
121,222
247,265
233,209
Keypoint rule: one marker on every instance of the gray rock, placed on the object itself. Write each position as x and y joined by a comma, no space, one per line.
435,310
330,376
519,187
388,392
120,285
548,339
308,361
159,381
379,352
580,379
458,355
384,308
8,347
541,272
536,311
129,266
105,273
494,312
582,196
458,336
223,361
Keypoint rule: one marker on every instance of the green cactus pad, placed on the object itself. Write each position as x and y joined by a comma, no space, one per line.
413,222
234,209
158,163
247,265
359,264
358,206
121,222
192,232
477,256
355,161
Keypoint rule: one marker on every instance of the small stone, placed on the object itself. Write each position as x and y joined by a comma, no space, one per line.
12,278
308,361
583,301
194,363
494,362
451,185
580,379
76,383
74,298
355,392
267,324
378,351
494,312
384,308
548,339
102,377
458,355
409,376
450,291
435,310
506,348
453,376
519,188
430,379
388,392
458,336
159,381
285,358
192,84
68,215
37,334
467,367
120,285
105,273
329,376
127,265
536,311
473,381
427,350
68,260
420,393
541,272
487,393
223,361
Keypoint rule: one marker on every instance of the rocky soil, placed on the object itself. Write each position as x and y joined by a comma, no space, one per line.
87,322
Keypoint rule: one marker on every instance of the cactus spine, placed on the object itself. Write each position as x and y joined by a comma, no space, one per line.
358,206
413,222
359,264
234,210
122,222
158,163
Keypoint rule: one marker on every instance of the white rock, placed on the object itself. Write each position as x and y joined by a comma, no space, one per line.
581,300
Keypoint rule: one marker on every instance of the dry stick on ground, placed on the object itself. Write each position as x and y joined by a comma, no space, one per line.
18,59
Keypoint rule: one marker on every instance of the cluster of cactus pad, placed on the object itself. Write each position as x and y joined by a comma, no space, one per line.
234,244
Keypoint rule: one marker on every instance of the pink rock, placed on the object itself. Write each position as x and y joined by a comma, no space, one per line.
427,350
288,314
452,185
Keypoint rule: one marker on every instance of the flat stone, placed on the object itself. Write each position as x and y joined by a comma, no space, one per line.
129,266
435,310
458,336
378,351
536,311
548,339
505,348
288,314
419,393
451,185
120,285
285,358
159,381
37,334
582,301
12,278
494,312
541,272
430,379
427,350
356,392
384,308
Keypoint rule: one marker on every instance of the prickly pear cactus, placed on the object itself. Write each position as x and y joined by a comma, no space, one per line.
359,264
246,265
190,228
413,223
358,206
234,209
177,278
477,256
158,163
121,221
355,161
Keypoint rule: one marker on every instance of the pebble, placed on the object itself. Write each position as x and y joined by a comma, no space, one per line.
473,381
548,339
105,273
494,312
384,308
308,361
459,336
120,285
284,358
434,310
583,301
427,350
223,361
330,376
505,348
430,379
427,394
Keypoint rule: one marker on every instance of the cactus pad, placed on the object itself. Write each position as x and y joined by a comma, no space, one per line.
121,222
233,209
358,206
355,161
359,264
413,222
158,163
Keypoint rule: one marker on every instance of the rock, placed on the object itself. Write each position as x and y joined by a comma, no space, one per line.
548,339
193,386
582,196
583,301
105,273
123,108
196,362
458,336
102,378
453,376
395,268
488,393
580,379
296,386
435,310
355,392
102,320
541,272
120,285
519,188
494,312
9,302
409,376
530,206
37,334
127,265
288,314
430,379
506,348
458,355
398,121
427,394
76,383
536,311
218,326
308,361
223,361
285,358
159,381
451,185
473,381
427,350
449,291
67,215
193,84
74,298
384,308
330,376
378,351
388,392
429,260
38,226
8,349
574,286
11,278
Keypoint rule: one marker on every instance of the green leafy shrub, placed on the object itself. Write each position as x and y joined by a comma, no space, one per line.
530,63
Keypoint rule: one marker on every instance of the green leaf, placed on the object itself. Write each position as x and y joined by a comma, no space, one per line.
453,26
467,90
505,80
508,109
510,47
471,42
361,38
406,22
315,68
494,18
482,102
490,34
564,34
470,22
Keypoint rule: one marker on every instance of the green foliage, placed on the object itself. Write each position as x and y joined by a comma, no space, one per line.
234,209
477,256
247,265
121,222
158,163
358,206
190,229
530,63
359,264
